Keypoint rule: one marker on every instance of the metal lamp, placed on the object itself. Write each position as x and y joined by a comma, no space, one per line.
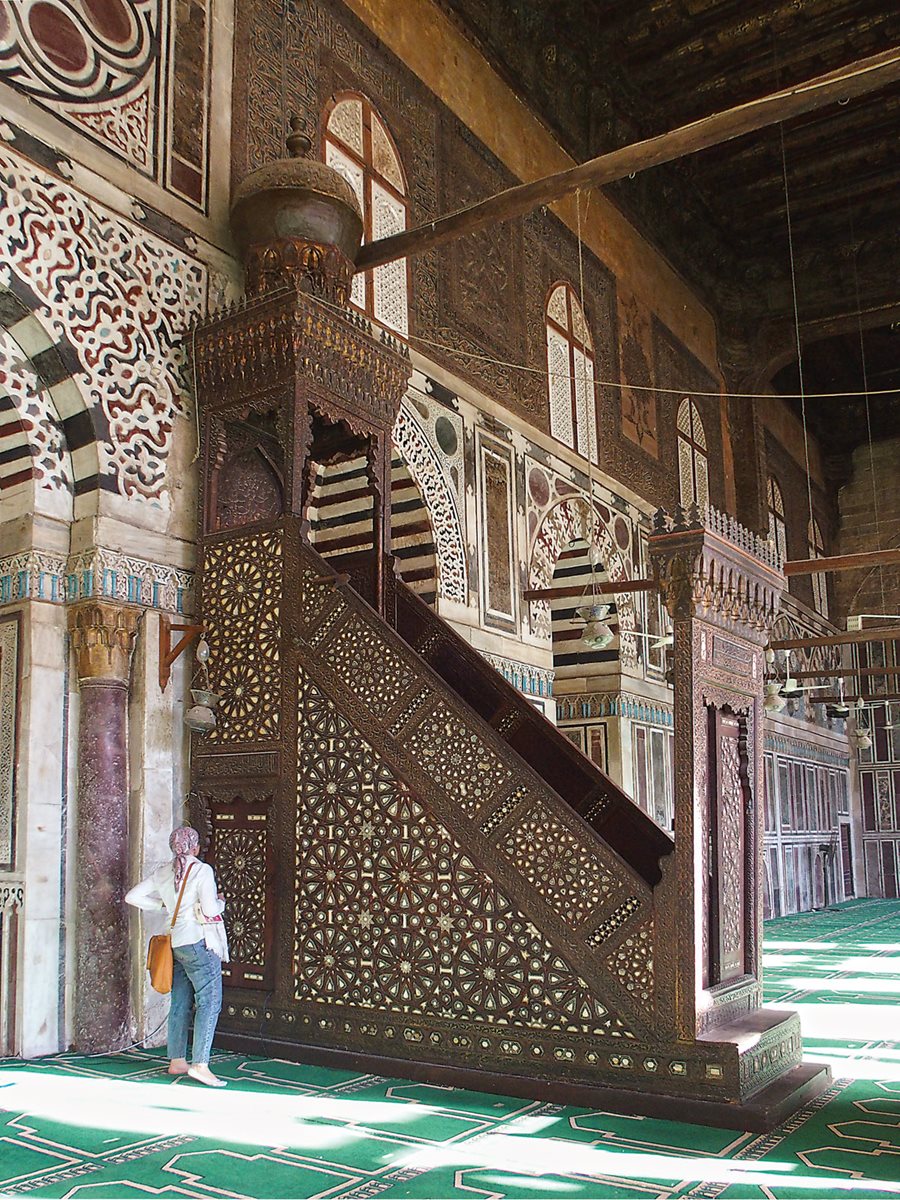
597,634
201,716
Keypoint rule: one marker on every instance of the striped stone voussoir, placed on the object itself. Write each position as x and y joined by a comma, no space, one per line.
48,437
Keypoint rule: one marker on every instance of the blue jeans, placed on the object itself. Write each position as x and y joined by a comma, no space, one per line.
197,984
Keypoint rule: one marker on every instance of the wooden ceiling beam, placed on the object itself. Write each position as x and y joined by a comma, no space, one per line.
856,79
872,316
807,154
721,25
702,81
819,191
606,588
843,562
711,87
838,639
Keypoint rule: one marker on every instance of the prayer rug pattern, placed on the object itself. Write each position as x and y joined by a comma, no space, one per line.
118,1126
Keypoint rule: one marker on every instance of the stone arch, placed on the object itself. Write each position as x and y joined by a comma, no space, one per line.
121,299
568,520
43,375
424,467
36,466
821,659
340,514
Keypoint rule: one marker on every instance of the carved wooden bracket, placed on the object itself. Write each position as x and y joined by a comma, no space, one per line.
169,653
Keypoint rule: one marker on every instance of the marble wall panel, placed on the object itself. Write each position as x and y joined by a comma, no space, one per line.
130,76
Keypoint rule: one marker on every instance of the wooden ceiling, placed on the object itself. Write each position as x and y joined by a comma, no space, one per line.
604,73
859,360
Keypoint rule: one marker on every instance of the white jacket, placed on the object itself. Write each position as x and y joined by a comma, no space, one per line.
159,894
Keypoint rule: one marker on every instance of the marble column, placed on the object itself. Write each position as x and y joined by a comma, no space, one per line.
102,637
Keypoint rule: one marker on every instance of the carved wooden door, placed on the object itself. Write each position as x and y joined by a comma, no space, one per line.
847,862
727,849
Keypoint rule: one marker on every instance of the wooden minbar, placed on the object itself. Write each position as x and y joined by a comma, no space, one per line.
425,878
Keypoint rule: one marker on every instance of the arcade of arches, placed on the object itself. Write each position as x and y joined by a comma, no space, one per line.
384,474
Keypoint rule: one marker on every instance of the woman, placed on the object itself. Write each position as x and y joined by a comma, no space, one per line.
197,972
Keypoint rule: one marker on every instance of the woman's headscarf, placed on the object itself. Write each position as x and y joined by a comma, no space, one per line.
183,842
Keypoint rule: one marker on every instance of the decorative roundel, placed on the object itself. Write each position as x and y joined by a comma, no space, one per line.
405,876
406,967
539,487
79,53
331,873
446,436
492,974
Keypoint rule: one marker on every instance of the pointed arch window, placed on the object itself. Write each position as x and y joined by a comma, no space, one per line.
817,550
777,529
359,146
693,460
570,366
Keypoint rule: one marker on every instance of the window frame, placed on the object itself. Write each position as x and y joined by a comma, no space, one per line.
775,509
366,164
573,342
698,449
816,547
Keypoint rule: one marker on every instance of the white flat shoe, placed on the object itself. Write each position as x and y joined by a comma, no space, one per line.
209,1080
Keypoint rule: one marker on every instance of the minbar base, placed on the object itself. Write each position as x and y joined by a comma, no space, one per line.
760,1113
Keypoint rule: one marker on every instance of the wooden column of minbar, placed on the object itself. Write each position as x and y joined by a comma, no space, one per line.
722,587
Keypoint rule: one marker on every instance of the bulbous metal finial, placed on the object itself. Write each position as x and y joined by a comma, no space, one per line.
297,222
297,142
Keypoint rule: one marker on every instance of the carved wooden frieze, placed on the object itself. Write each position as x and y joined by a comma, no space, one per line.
710,566
335,352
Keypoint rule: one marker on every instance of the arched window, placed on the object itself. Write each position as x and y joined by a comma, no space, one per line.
777,530
693,466
570,364
817,550
359,146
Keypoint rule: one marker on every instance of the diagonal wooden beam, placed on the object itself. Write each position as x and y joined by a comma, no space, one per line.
842,562
856,79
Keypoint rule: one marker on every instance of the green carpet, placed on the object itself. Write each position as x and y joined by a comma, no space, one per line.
117,1126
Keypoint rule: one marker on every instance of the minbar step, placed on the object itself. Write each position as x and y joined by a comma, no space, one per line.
760,1113
785,1095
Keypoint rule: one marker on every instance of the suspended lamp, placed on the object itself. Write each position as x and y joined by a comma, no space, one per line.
862,739
201,716
597,635
773,701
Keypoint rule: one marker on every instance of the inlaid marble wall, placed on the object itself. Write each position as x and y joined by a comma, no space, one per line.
132,77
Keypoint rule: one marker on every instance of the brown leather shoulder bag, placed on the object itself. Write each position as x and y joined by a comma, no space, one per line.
160,962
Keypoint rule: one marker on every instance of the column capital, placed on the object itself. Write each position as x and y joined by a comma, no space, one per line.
103,635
